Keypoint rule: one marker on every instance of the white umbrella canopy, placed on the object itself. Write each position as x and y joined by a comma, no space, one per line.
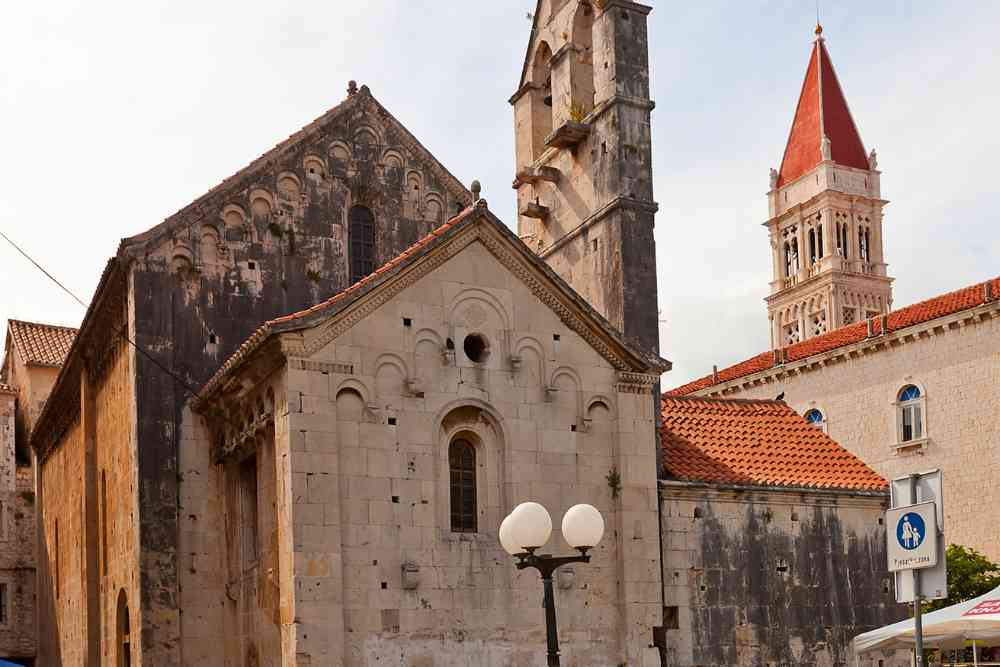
976,619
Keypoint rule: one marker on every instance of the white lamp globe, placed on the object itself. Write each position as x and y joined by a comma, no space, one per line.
583,526
530,526
505,537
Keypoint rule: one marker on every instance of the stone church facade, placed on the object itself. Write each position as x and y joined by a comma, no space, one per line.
160,544
297,410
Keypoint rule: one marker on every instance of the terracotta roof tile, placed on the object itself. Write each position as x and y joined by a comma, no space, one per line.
41,344
822,111
755,443
925,311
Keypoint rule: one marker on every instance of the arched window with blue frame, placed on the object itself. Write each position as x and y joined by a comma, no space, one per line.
911,413
814,417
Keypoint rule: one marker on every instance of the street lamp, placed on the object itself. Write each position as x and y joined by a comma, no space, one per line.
528,528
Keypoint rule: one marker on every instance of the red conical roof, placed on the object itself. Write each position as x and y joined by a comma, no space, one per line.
822,110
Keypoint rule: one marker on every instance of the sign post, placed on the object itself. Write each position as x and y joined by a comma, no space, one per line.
915,545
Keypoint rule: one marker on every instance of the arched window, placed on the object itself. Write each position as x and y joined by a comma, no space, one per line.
462,461
814,417
361,236
819,240
910,406
812,247
541,112
123,646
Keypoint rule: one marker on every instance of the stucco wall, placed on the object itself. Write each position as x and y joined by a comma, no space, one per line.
958,370
773,576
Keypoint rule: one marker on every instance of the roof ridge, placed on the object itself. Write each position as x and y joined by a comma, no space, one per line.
970,296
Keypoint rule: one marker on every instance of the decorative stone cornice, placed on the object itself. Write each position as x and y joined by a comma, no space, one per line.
871,344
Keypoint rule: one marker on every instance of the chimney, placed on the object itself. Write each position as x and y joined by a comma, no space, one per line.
988,291
871,327
883,321
715,374
779,356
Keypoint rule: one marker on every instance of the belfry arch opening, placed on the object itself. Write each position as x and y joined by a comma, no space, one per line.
582,66
541,115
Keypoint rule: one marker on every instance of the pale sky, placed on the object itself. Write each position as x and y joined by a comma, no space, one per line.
113,115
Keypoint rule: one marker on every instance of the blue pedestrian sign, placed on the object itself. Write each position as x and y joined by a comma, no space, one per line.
910,531
911,537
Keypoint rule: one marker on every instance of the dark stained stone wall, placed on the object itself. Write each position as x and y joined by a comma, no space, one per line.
773,578
272,240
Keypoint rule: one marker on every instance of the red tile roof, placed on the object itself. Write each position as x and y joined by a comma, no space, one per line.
822,111
925,311
41,344
755,443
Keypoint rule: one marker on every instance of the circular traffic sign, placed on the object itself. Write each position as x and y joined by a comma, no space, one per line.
910,531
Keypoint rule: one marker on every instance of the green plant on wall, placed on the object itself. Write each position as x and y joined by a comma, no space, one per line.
576,112
614,480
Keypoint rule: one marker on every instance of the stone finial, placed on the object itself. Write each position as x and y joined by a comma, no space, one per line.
873,160
477,190
774,178
825,148
352,87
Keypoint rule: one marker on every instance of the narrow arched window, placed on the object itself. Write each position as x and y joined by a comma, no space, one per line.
361,236
812,247
123,643
462,461
819,241
911,414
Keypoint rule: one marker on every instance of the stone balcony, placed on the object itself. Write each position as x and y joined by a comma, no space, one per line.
568,135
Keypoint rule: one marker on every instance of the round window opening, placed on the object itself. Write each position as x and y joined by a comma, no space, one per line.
476,347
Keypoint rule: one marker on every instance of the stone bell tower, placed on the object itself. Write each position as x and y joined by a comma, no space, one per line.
584,177
825,217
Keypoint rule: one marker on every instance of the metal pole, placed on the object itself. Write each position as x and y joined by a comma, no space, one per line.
918,621
975,654
550,621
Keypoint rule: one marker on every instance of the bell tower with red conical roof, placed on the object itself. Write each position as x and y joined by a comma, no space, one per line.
825,224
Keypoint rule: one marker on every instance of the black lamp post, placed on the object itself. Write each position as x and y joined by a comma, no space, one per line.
530,523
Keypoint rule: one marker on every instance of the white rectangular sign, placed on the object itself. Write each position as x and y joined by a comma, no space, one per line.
911,537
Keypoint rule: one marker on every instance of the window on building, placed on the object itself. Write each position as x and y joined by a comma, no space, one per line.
815,418
911,414
362,242
104,522
123,645
248,511
4,612
819,240
812,247
462,461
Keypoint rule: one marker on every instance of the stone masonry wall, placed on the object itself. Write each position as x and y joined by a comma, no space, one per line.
773,577
369,570
958,371
271,241
17,539
61,604
116,497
